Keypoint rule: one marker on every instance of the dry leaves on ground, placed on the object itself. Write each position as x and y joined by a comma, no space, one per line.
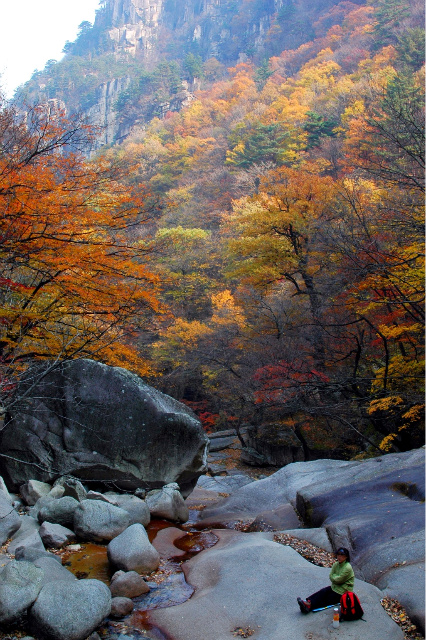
399,615
309,551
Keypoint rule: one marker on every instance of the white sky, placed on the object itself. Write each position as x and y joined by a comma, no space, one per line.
35,31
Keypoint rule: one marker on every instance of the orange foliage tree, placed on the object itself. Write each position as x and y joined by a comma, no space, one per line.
74,249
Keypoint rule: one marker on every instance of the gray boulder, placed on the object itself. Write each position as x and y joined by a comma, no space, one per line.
60,511
33,490
31,554
70,610
132,551
53,571
121,607
4,490
72,487
10,521
137,509
101,423
249,583
20,584
29,526
99,521
55,535
167,503
31,542
54,494
128,584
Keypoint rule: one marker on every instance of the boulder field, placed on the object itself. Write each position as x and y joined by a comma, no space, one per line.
34,584
247,584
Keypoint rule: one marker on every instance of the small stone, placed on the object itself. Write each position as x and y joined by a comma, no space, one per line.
121,607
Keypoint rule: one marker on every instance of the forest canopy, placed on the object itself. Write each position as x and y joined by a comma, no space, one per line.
281,279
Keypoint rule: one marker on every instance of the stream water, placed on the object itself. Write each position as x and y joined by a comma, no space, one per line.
168,586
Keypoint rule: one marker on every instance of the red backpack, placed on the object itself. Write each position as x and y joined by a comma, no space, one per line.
350,606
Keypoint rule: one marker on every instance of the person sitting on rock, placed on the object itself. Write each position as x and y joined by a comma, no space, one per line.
342,579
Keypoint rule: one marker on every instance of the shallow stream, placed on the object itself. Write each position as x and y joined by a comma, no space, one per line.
168,586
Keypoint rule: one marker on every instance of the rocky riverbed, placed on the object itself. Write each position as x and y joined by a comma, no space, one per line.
235,567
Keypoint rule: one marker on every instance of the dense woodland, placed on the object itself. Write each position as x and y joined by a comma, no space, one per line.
258,255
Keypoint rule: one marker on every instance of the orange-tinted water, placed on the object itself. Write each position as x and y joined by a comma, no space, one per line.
167,586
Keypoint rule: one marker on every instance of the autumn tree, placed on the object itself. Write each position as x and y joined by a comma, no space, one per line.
74,248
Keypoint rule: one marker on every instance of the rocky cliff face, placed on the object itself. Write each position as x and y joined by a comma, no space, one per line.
135,26
226,29
106,72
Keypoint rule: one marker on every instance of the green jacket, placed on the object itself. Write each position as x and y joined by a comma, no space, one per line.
342,577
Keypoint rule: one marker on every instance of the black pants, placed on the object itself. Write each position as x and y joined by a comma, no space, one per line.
323,598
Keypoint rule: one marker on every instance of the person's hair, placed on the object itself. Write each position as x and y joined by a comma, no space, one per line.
345,551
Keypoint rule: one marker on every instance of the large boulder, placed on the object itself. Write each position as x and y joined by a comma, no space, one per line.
55,535
28,531
60,511
100,423
33,490
247,586
67,610
53,571
137,509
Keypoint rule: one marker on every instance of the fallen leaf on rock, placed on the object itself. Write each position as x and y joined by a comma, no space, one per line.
243,632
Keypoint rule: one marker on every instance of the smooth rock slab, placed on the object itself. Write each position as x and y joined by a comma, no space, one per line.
70,610
20,584
99,521
132,551
246,581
